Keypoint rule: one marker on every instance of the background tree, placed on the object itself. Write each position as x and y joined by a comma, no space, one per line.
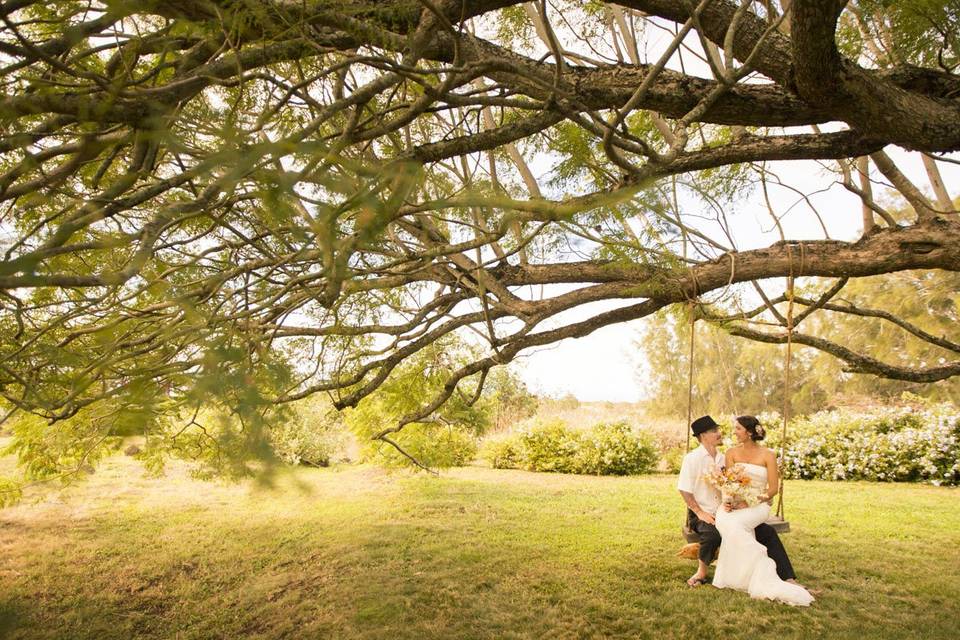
510,399
911,300
731,376
735,376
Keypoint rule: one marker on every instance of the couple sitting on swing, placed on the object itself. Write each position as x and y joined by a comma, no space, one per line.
752,558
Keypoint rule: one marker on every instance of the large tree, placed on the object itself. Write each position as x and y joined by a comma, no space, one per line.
251,201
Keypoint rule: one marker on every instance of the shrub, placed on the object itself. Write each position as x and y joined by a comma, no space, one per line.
432,445
616,449
502,452
313,434
455,425
549,446
673,458
460,448
606,449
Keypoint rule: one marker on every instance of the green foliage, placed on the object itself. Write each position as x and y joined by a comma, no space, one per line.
63,449
731,375
435,446
218,209
929,300
216,439
508,398
616,449
580,162
605,449
313,433
673,457
234,393
226,416
218,415
889,445
11,492
502,452
550,446
735,376
513,26
921,32
444,440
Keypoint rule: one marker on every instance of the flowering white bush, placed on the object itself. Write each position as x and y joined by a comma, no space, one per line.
892,444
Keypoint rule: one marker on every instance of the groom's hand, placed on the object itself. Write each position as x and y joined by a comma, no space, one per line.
706,517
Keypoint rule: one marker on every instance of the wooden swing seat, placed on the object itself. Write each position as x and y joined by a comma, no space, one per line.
779,525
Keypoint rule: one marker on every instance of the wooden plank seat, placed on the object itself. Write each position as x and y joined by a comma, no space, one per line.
779,525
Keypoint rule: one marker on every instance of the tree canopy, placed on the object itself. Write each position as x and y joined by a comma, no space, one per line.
252,201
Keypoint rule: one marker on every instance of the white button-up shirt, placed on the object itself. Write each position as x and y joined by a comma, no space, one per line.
695,464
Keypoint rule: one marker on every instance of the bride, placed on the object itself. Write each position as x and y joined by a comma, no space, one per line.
743,563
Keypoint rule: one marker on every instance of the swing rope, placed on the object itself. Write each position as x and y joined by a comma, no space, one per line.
693,320
788,360
786,393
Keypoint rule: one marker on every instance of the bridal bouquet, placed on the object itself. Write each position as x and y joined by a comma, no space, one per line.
734,485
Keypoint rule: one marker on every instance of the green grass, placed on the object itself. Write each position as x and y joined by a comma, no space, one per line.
354,552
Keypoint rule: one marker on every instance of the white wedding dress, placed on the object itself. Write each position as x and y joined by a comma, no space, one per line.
743,563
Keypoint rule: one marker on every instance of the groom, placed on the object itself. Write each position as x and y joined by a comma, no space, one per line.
703,501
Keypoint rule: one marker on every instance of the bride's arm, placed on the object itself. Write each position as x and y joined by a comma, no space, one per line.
773,474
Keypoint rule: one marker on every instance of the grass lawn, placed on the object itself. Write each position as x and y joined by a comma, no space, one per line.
354,552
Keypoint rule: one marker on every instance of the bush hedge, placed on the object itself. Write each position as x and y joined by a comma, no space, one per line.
435,446
917,443
606,449
889,445
312,434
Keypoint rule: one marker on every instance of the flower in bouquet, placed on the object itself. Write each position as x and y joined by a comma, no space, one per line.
734,485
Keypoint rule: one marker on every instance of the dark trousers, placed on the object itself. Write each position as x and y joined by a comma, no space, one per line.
766,535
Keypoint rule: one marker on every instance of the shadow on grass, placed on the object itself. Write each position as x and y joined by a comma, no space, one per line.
9,616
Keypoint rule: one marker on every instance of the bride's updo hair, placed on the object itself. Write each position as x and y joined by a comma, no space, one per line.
753,427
